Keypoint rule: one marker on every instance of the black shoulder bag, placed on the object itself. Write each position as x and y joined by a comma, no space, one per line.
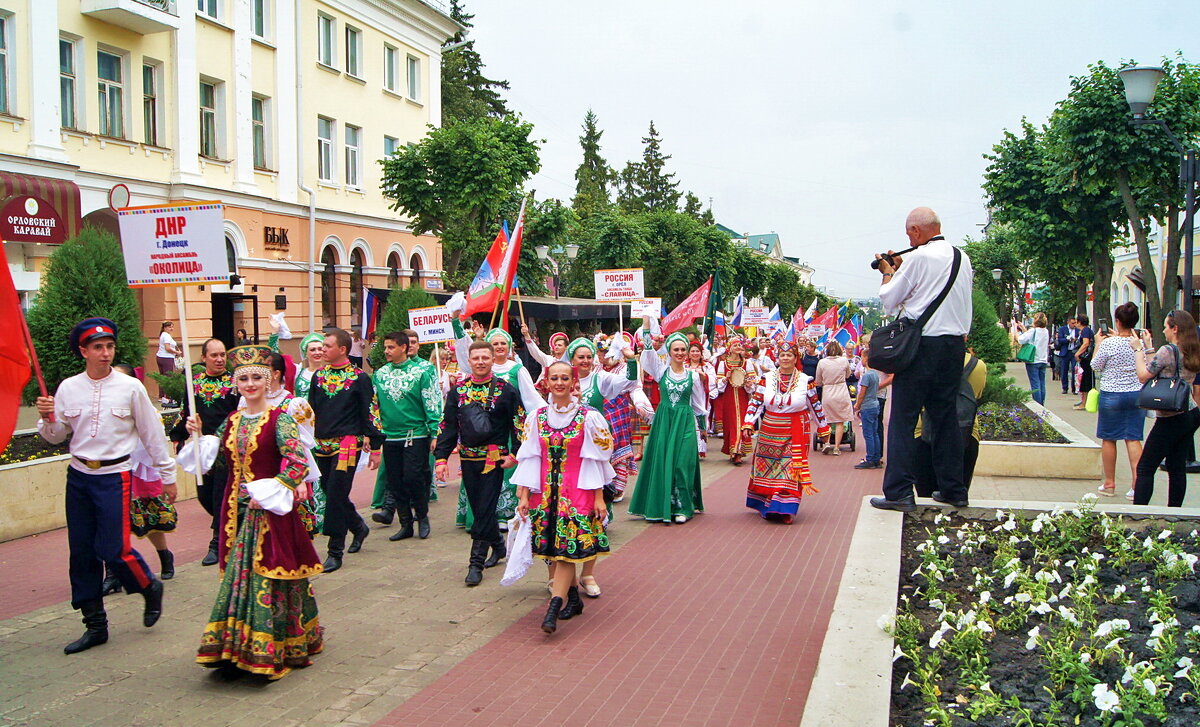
1169,395
894,346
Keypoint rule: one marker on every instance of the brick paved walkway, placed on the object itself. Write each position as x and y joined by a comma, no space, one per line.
714,621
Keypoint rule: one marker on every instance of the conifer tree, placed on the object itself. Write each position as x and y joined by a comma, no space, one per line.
593,176
630,197
466,92
692,206
84,277
659,189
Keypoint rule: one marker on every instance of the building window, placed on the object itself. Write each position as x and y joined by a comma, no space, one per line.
325,149
231,255
414,262
414,78
390,145
209,126
262,18
259,110
393,264
328,288
354,52
391,68
356,287
150,104
353,156
111,85
326,44
5,99
209,7
68,88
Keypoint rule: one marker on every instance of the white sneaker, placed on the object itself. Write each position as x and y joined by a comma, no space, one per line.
681,519
1129,495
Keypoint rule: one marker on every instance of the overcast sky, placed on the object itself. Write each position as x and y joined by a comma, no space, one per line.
825,122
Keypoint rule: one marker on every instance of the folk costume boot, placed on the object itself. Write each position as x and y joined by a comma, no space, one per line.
423,528
359,536
550,623
96,621
211,557
574,604
154,599
111,583
406,530
167,560
479,549
336,546
387,512
499,553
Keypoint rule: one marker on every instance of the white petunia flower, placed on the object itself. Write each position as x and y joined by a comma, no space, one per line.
1043,608
942,540
907,681
886,622
1119,591
1008,579
1023,597
1106,701
985,596
1186,664
1036,526
1010,525
1150,687
939,635
1031,644
1116,624
1164,535
1085,657
897,653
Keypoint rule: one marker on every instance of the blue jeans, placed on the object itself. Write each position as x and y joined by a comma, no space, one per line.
1037,381
872,437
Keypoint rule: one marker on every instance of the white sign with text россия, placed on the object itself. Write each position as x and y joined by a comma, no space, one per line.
620,285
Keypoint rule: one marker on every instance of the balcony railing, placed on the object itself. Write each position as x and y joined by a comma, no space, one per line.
167,6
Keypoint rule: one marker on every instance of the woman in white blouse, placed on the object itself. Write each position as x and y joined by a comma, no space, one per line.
1119,418
1039,338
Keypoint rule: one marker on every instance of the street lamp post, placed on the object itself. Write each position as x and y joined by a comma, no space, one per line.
1140,84
544,253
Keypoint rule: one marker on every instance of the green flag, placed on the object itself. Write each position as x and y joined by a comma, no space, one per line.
715,296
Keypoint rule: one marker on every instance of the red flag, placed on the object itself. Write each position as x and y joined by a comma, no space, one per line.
693,307
14,359
512,257
484,292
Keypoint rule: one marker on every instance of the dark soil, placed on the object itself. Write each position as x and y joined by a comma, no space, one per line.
1018,672
26,447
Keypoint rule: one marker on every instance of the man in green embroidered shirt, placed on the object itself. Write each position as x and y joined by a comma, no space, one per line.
410,411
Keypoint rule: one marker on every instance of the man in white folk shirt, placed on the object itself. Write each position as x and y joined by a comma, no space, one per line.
929,387
105,413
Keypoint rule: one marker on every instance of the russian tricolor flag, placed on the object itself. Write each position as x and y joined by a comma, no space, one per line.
718,323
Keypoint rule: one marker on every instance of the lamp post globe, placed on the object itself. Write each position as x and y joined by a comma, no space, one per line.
543,251
1140,84
572,251
997,273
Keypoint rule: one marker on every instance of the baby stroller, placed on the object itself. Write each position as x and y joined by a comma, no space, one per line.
848,438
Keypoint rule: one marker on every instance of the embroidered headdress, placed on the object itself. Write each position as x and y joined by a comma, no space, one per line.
579,343
250,357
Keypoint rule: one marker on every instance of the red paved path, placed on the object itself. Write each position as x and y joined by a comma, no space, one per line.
719,621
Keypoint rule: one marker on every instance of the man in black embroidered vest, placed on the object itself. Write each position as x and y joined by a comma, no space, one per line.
216,399
479,418
343,400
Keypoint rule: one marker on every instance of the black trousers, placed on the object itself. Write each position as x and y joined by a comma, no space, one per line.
1168,439
929,385
210,491
483,492
407,467
340,514
926,479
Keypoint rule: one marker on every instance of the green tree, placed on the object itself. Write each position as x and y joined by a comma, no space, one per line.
997,251
693,207
744,270
607,240
593,176
660,191
84,277
782,288
457,180
466,92
987,338
682,255
395,318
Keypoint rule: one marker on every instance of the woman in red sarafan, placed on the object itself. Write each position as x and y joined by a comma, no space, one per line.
737,378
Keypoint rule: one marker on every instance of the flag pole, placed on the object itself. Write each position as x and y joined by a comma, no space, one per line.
188,387
520,305
37,367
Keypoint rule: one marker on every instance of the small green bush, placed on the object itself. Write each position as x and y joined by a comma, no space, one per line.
1001,389
395,318
170,385
987,338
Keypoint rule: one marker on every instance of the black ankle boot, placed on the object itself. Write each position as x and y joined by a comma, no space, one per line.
96,621
405,532
334,561
550,623
154,599
359,536
211,557
499,552
423,528
383,516
111,583
479,550
574,604
167,559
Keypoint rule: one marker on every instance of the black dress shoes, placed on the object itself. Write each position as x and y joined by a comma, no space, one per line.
211,557
882,503
423,528
167,560
357,543
939,497
154,600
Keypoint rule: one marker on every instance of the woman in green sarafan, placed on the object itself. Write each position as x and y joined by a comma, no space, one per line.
509,368
668,485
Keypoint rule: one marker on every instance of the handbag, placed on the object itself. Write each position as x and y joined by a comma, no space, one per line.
1027,354
894,346
1169,395
1093,401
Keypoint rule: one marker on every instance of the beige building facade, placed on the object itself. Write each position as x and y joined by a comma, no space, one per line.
279,109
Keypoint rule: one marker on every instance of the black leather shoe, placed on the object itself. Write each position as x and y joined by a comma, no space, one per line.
499,553
550,623
474,575
882,503
111,583
154,599
383,517
211,557
167,560
357,543
405,531
423,528
574,604
479,549
937,495
96,621
332,563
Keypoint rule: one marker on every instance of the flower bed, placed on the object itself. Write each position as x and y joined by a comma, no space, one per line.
1071,617
28,446
1016,423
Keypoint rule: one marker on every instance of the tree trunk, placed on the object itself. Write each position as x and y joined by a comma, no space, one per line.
1102,265
1152,311
1080,296
1171,271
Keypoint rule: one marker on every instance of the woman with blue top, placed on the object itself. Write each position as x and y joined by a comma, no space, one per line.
1039,338
668,486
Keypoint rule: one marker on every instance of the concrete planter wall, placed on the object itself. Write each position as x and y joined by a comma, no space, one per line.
32,496
1077,460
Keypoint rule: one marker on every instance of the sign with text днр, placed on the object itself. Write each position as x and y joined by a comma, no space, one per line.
179,243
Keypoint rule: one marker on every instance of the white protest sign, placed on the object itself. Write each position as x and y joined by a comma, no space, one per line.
646,308
620,285
179,243
431,324
756,316
814,331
